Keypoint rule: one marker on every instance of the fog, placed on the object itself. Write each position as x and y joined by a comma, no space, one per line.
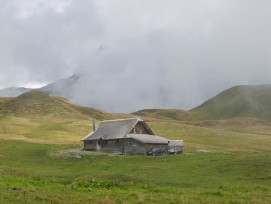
136,54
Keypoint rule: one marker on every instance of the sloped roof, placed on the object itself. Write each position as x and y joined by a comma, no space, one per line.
175,143
152,139
114,129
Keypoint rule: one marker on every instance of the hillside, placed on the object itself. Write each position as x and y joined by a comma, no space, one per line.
39,104
239,101
38,117
164,114
62,87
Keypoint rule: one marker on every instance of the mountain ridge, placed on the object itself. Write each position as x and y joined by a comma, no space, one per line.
250,101
55,88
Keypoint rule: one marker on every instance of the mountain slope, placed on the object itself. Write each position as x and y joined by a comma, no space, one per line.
239,101
62,87
166,114
39,104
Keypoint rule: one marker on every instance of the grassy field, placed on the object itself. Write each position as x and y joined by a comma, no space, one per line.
217,138
31,174
236,170
49,130
225,161
44,130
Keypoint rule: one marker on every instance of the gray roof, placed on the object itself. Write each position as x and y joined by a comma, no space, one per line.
153,139
114,129
175,143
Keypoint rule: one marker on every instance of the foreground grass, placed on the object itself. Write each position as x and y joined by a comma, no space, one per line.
106,191
30,174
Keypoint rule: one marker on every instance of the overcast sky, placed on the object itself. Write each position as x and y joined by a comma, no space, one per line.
136,53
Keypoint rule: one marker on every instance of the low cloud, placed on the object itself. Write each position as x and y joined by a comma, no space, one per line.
136,54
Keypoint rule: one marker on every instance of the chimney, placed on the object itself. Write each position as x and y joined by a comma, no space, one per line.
93,123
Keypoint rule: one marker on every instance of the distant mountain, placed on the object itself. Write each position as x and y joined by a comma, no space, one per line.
13,91
62,87
36,103
172,114
239,101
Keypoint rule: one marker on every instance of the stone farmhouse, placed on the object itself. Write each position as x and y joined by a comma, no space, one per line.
124,136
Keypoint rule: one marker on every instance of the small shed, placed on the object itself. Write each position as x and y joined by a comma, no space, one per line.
175,146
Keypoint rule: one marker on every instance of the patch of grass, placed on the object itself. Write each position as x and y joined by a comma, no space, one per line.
44,130
224,138
164,114
98,191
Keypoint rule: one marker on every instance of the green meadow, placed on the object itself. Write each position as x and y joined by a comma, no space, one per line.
224,161
31,174
235,166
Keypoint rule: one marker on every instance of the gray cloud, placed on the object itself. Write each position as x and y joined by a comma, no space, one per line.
137,54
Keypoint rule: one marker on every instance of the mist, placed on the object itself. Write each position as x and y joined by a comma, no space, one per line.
138,54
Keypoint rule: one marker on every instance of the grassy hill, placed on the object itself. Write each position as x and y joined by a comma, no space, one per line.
239,101
36,103
165,114
244,101
38,117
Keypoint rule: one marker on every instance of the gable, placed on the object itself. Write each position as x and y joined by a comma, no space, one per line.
141,128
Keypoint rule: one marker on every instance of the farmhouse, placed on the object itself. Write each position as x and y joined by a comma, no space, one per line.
125,136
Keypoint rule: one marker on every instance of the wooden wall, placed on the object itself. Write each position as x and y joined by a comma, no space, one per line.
90,145
149,147
122,146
